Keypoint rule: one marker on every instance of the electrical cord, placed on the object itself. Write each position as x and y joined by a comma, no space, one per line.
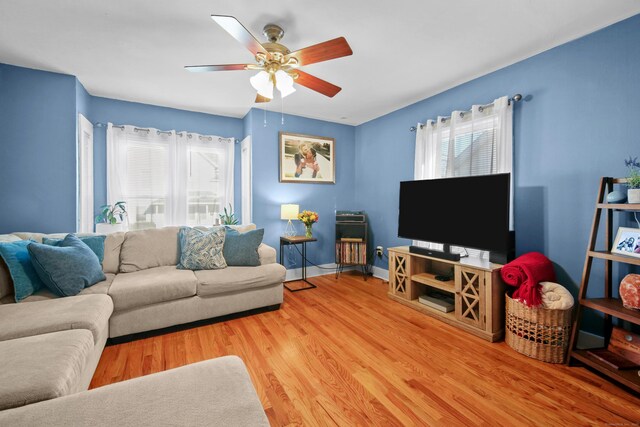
312,263
635,215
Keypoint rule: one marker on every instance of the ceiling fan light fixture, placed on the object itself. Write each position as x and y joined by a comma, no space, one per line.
284,83
262,83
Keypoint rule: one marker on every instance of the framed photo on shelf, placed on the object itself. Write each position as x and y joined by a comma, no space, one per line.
307,158
627,242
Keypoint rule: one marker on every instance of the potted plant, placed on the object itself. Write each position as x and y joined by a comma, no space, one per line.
228,218
633,180
111,218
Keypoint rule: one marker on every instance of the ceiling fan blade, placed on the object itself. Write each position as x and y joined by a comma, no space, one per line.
260,98
324,51
227,67
232,26
319,85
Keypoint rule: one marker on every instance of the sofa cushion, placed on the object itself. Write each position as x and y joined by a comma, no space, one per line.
150,248
68,268
98,288
24,277
42,367
151,286
267,254
231,279
215,392
241,228
241,249
95,243
101,288
112,246
89,312
36,237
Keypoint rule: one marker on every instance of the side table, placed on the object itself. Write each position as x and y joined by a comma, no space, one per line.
297,240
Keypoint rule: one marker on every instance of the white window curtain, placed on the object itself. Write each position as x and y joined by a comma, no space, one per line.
168,177
478,142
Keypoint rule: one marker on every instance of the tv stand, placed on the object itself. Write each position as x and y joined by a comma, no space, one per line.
443,254
476,287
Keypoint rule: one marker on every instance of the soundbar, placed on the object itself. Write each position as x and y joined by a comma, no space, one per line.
435,254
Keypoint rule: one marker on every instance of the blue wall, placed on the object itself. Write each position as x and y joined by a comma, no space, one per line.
578,122
269,193
83,100
37,150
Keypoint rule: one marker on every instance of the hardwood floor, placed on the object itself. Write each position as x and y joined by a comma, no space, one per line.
344,354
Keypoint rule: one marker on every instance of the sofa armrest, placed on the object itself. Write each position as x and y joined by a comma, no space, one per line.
267,254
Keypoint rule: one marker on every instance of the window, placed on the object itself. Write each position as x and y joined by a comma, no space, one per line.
205,185
146,179
476,142
169,178
85,175
474,149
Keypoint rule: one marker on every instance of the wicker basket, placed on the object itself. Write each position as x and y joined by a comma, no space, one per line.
538,332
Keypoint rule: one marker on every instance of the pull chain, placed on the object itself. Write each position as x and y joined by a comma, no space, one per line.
281,110
265,114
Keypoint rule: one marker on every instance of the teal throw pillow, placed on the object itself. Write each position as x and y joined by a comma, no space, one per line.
241,249
201,249
25,279
95,243
68,268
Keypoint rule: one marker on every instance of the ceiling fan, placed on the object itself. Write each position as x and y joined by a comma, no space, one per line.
277,65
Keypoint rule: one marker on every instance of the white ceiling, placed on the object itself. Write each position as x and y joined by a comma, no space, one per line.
404,50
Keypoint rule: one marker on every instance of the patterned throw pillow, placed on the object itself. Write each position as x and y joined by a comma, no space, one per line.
201,250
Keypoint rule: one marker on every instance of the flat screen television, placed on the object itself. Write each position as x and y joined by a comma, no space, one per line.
471,212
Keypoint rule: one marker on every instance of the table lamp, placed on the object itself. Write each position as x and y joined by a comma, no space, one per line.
289,212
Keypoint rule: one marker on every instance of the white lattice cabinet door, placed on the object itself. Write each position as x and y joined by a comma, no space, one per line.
470,296
399,274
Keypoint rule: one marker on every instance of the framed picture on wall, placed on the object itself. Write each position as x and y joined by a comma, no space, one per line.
307,158
627,242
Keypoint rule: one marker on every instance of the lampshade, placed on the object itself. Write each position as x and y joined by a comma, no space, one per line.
262,83
289,211
284,83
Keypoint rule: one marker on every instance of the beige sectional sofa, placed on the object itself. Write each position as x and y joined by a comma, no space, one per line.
50,346
215,392
149,292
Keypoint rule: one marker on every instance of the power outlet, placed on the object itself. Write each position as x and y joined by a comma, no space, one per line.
379,251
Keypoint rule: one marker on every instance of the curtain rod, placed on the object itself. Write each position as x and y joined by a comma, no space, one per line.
189,135
515,98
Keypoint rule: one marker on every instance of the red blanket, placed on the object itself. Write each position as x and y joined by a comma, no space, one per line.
525,273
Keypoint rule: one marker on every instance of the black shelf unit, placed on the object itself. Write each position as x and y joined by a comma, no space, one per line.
351,241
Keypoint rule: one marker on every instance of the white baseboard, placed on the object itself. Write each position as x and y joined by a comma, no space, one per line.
312,271
381,273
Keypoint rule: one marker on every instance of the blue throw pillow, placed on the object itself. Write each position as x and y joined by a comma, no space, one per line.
201,250
241,249
25,279
68,268
95,243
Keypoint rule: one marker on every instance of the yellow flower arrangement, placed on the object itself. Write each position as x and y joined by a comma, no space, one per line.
308,217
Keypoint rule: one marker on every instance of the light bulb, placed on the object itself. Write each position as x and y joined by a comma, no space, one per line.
262,83
284,83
